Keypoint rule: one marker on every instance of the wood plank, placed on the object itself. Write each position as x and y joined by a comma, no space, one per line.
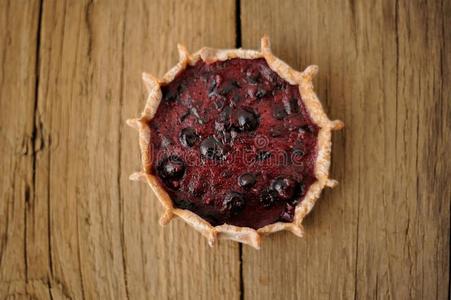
105,241
171,262
384,232
23,234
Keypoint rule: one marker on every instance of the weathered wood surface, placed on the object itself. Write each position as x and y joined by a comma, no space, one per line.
73,226
383,233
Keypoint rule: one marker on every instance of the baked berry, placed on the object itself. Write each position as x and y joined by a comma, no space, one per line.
261,92
279,112
268,198
246,120
311,129
188,137
171,167
171,95
233,203
211,148
184,115
291,106
247,180
286,187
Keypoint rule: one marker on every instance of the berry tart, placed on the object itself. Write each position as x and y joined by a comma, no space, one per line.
235,142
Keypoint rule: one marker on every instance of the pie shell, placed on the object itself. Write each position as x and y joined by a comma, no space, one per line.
303,79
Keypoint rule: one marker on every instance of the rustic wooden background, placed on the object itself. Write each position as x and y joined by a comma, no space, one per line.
72,226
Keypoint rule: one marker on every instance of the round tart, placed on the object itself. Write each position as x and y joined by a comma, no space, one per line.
235,143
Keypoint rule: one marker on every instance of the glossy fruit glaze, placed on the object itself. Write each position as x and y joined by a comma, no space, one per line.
233,142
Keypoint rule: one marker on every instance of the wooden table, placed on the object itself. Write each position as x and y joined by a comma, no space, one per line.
72,226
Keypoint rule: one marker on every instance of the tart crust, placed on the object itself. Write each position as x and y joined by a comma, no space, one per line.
303,79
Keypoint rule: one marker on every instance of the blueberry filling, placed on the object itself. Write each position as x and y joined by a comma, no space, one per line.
217,141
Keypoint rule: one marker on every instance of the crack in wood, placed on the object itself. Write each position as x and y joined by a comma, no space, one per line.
120,125
36,140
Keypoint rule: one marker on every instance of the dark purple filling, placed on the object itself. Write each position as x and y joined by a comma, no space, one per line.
233,142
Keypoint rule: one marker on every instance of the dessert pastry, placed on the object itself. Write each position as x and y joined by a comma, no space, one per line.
235,143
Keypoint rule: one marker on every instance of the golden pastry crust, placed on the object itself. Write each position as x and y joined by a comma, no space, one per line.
303,79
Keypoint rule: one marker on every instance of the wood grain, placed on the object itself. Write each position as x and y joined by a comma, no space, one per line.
384,232
21,235
72,226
